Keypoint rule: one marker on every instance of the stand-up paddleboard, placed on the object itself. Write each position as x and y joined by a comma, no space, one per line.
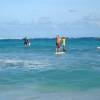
59,53
29,44
98,47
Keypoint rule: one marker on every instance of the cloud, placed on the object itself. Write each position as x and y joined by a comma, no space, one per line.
92,19
44,27
72,11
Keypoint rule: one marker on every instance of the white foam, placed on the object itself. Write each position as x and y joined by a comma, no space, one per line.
29,94
30,64
98,47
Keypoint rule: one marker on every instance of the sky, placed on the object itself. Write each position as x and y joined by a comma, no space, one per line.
47,18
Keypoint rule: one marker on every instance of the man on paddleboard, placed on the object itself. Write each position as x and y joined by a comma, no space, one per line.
26,42
63,42
58,43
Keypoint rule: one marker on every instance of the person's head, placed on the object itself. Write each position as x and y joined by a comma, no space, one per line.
63,37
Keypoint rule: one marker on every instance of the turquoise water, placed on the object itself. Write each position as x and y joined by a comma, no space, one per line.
36,73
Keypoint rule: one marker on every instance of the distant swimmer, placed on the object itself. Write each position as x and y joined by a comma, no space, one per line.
58,43
63,42
26,42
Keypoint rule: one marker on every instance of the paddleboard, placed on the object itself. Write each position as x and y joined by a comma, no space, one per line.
29,44
58,53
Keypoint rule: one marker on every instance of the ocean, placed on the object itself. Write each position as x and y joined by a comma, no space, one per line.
36,73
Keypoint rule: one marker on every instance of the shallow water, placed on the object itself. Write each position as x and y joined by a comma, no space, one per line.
36,73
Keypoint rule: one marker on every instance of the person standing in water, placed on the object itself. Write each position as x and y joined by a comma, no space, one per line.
58,43
26,42
63,42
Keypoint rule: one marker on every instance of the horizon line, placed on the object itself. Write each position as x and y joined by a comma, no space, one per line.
48,38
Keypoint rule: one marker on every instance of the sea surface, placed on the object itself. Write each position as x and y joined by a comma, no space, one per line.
37,73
